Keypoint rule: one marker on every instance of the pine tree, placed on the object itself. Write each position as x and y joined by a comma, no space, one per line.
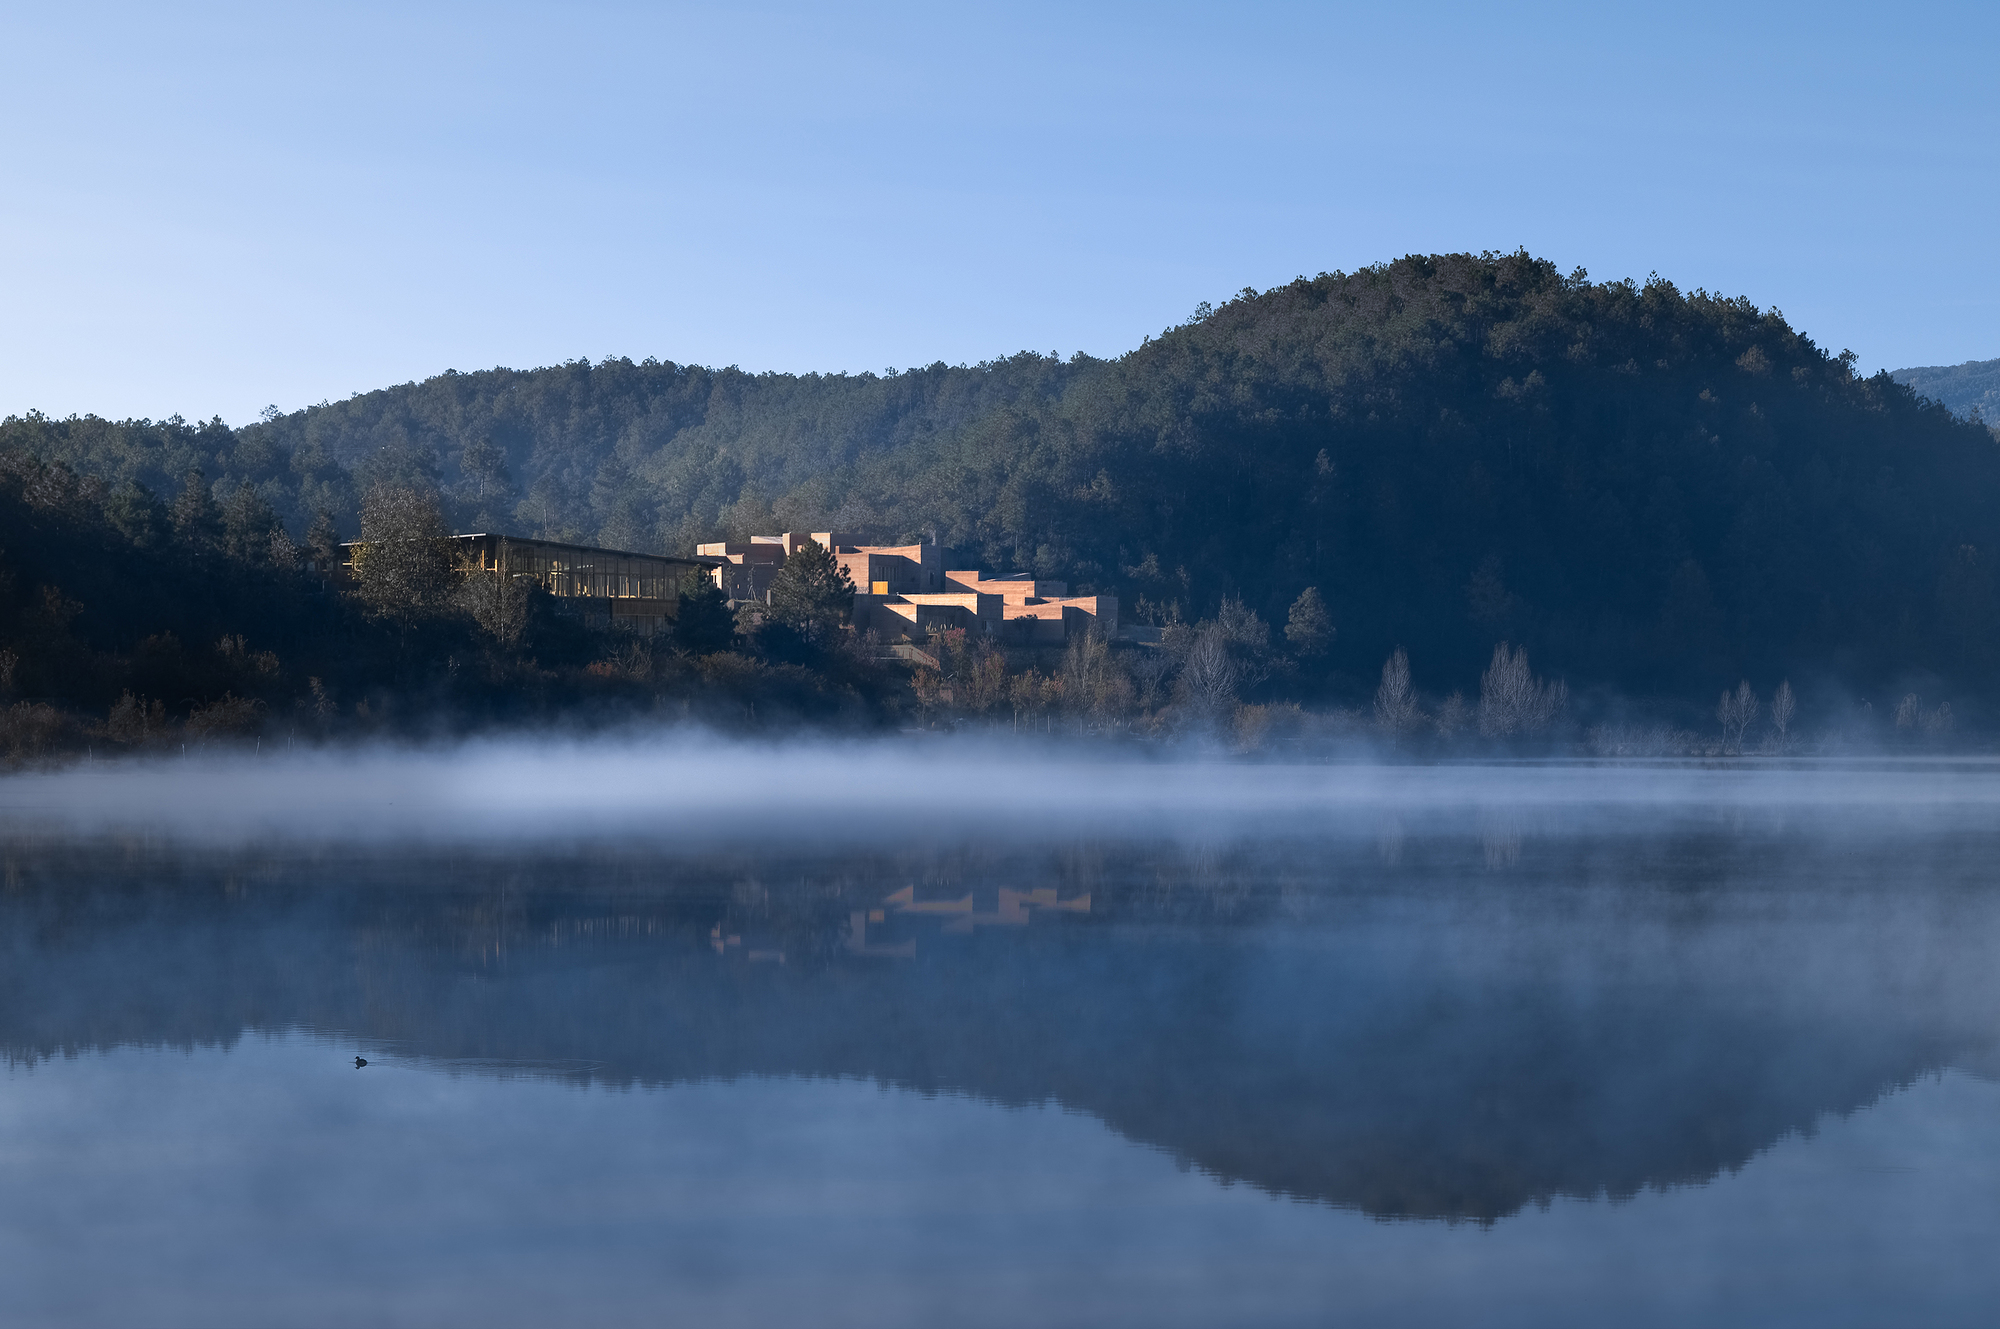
1309,628
702,622
195,522
812,594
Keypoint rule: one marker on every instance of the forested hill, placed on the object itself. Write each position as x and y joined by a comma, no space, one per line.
1972,386
1655,490
647,456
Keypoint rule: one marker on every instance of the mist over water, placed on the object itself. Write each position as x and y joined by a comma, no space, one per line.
676,787
912,1033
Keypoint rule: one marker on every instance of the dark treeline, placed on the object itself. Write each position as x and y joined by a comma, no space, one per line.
1657,492
129,624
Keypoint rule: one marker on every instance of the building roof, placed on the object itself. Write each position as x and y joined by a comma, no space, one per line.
697,560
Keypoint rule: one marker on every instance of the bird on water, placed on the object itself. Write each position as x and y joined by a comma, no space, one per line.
359,1062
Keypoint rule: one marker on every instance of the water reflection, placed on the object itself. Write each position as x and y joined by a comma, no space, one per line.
1444,1025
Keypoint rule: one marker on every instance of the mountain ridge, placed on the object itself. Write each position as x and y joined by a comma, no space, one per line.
1653,489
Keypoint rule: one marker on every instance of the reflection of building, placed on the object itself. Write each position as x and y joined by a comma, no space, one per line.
607,587
1012,909
903,593
1378,1046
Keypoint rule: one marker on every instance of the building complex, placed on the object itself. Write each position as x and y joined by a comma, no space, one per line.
904,593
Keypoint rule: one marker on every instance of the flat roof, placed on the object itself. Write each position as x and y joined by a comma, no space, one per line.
692,560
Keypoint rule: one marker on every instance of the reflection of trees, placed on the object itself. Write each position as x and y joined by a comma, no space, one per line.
1430,1038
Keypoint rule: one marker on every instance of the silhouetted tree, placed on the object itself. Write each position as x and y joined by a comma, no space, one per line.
703,624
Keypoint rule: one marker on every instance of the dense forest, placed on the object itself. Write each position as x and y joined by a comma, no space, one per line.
1657,492
1971,389
128,624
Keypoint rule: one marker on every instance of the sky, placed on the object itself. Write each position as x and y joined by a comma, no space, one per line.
209,209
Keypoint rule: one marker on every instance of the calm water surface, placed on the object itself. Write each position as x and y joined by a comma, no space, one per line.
1461,1062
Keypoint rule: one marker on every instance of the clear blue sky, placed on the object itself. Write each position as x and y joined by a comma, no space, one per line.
211,208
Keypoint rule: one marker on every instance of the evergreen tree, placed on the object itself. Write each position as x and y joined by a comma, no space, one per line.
1309,628
703,624
247,523
323,540
135,514
812,594
195,522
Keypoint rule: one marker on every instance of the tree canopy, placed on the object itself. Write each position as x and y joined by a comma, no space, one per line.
1971,389
1651,489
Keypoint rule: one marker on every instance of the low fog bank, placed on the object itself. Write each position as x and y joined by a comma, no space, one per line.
681,787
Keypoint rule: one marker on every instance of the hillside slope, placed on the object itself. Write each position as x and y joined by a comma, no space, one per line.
638,456
1654,490
1964,389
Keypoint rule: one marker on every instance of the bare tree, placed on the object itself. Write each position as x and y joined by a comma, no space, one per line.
1209,676
495,597
1395,699
1096,690
1512,700
1453,716
1033,695
984,678
1150,667
1783,704
1908,710
1248,638
1736,710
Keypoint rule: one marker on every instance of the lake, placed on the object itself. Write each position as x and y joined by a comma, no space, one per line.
867,1036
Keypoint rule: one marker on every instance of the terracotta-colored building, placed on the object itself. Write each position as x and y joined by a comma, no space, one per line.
904,593
746,567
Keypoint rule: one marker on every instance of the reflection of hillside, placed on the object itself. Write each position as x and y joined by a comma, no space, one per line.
1416,1041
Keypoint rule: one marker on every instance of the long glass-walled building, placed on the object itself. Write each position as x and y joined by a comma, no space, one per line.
635,592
